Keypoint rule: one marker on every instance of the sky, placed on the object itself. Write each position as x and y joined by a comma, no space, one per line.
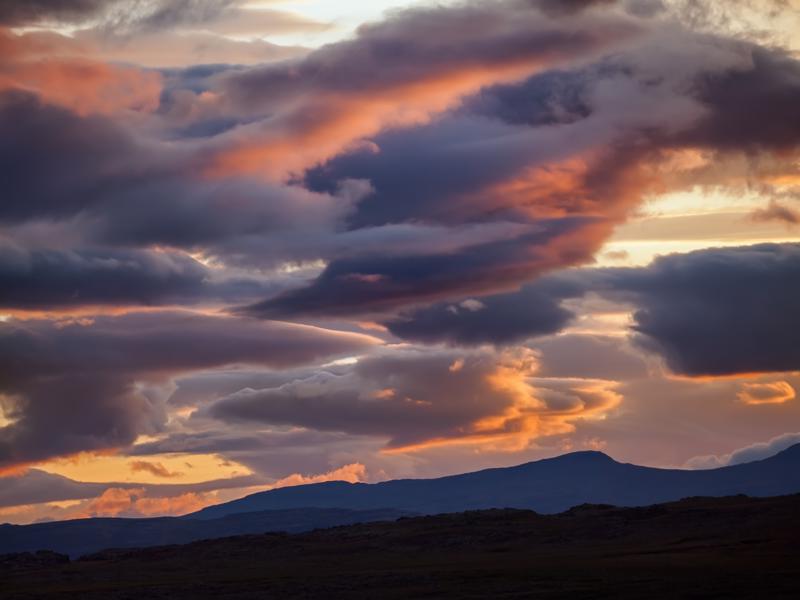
251,244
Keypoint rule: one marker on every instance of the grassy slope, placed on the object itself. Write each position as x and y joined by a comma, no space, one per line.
730,547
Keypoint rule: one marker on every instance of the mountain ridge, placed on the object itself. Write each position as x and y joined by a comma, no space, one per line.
547,486
572,479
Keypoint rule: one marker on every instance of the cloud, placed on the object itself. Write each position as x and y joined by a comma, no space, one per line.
156,469
76,385
117,502
719,311
752,453
383,283
503,319
36,487
84,85
87,278
776,211
18,12
776,392
417,399
401,71
25,505
117,15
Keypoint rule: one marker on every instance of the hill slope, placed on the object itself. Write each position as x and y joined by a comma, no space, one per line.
697,548
83,536
546,486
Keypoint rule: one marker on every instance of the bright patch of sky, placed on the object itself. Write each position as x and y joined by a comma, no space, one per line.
344,16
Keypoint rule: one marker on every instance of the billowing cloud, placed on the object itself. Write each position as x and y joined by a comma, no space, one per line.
435,177
503,319
720,311
401,71
754,452
419,399
44,279
75,385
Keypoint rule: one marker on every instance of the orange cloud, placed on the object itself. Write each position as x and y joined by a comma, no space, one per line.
534,410
353,473
776,392
116,501
155,469
82,85
319,128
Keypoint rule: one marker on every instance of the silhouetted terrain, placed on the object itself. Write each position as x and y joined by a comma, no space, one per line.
83,536
546,486
698,548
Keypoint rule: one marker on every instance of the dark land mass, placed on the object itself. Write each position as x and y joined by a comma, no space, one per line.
83,536
736,547
546,486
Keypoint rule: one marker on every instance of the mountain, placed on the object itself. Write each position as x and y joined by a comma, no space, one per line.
697,548
83,536
546,486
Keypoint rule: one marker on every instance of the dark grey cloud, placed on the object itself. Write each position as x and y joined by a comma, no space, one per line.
533,311
751,107
19,12
109,187
410,397
380,283
78,384
416,45
719,311
116,14
53,279
421,397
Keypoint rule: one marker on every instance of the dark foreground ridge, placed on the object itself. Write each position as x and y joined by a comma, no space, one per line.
735,547
545,486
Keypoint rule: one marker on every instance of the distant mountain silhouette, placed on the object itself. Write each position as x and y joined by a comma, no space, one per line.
83,536
546,486
735,547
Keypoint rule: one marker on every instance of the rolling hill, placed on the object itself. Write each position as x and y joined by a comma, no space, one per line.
546,486
697,548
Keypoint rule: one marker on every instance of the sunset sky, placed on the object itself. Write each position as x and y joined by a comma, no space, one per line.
249,244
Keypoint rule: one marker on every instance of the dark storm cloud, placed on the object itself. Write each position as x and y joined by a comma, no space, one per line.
107,185
380,283
141,14
719,311
52,279
751,108
502,319
582,142
75,385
